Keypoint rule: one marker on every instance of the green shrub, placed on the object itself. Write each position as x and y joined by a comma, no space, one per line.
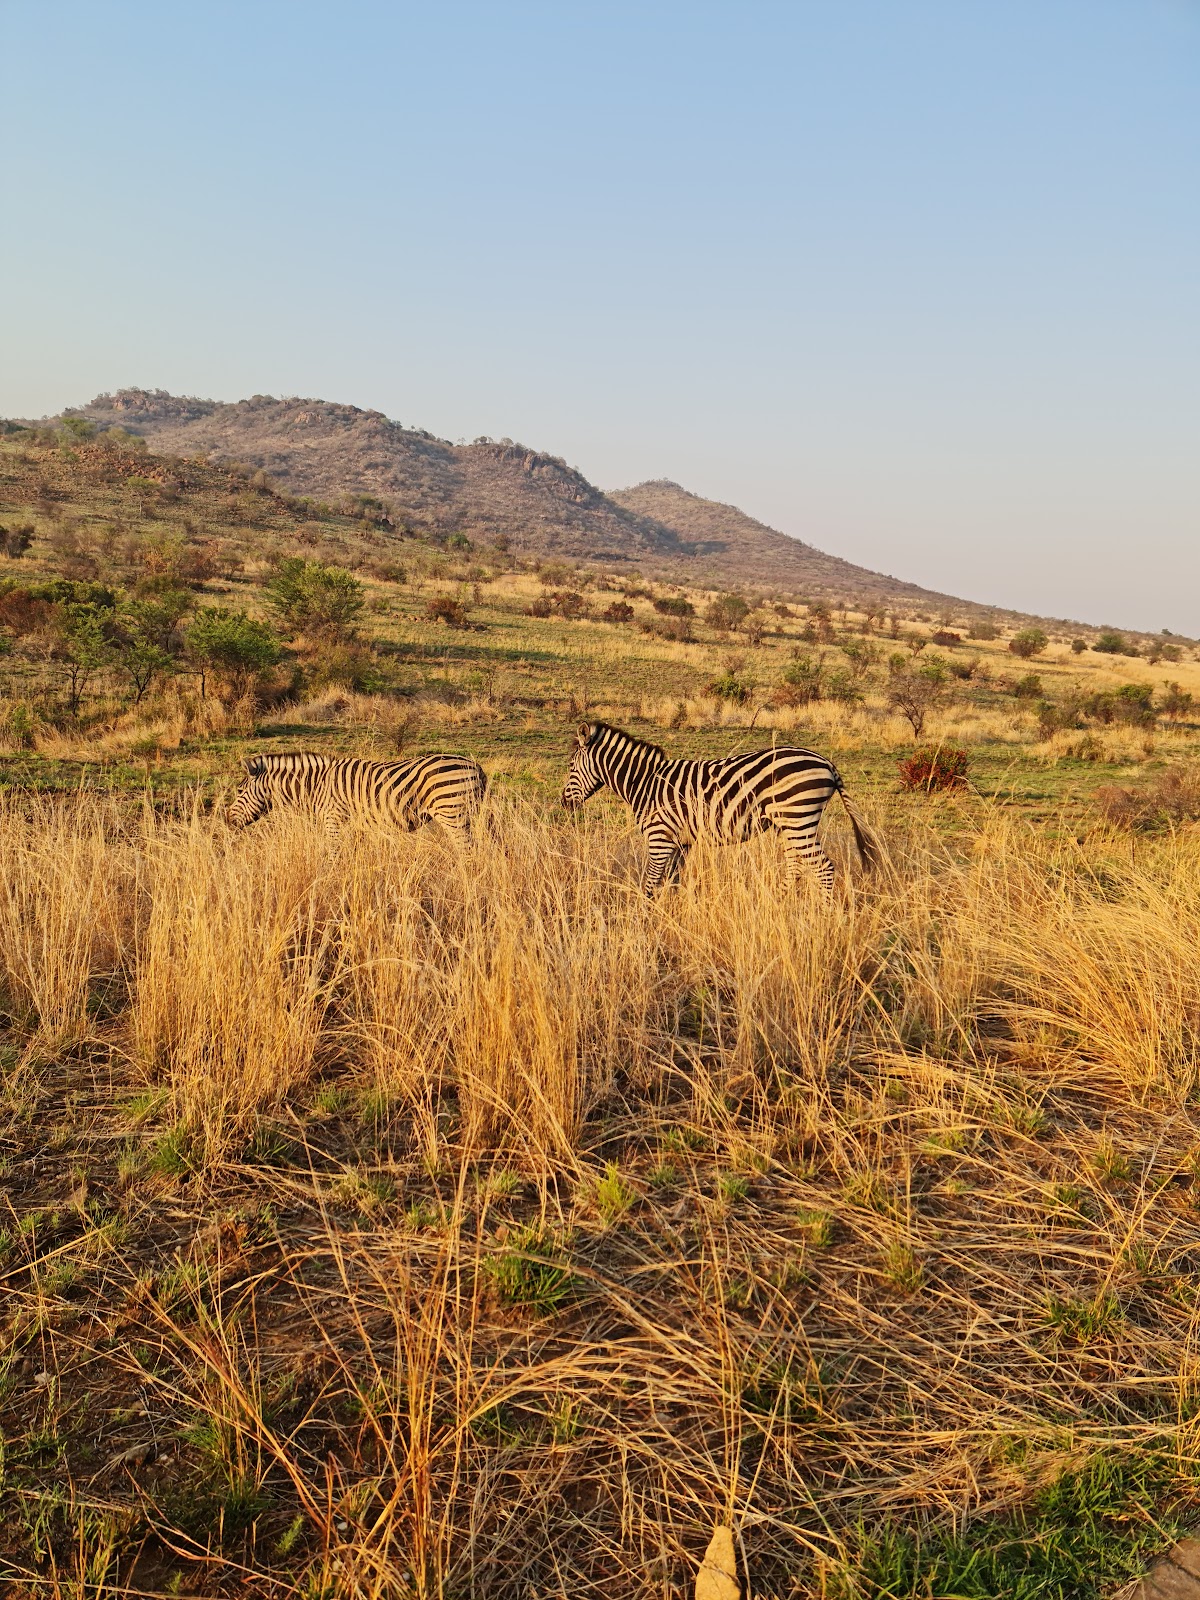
1029,642
232,646
311,596
726,612
728,686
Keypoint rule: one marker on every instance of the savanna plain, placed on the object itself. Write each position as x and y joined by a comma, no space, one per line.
396,1215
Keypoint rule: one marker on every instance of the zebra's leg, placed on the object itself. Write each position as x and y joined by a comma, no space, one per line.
666,858
804,854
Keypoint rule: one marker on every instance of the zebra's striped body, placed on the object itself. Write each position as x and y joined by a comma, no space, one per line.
436,788
677,802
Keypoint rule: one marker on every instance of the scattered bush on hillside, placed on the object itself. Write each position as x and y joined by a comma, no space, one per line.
842,686
862,654
143,634
732,684
231,646
983,630
1157,651
915,690
1173,798
618,611
963,670
934,767
1029,687
726,612
1131,703
353,665
674,606
15,541
754,624
19,724
448,609
80,646
318,599
1175,703
802,683
1111,644
946,639
1029,642
555,574
387,572
1078,646
566,603
678,629
22,610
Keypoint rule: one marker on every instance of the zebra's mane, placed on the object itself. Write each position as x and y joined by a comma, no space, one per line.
625,739
284,761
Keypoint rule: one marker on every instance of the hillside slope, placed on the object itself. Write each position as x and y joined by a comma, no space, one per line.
493,490
722,536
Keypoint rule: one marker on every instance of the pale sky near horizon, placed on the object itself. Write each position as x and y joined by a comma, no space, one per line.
917,282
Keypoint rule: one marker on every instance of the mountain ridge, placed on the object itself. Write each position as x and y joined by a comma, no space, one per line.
502,491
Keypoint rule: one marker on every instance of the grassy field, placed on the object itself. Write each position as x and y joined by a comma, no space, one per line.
402,1217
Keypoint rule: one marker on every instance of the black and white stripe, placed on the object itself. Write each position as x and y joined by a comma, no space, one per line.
435,788
677,802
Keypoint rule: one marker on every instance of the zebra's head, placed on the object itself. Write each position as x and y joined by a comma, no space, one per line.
253,799
584,776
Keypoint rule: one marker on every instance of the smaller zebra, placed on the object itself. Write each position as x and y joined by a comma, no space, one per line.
436,788
728,801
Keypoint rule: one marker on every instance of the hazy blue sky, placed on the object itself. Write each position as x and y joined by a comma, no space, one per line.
916,281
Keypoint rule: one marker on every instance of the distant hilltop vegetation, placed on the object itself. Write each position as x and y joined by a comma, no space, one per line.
493,490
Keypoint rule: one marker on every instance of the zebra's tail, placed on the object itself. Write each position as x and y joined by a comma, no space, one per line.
868,849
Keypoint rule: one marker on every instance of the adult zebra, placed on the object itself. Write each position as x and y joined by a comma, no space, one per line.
677,802
445,789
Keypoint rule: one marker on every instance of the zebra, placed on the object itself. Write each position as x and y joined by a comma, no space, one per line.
677,802
436,788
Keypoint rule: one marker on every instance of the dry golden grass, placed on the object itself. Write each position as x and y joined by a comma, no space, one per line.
485,1229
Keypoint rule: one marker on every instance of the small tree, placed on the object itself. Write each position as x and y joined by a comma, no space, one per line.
726,612
1176,702
1110,644
1078,646
314,597
915,690
1028,643
862,655
82,646
802,683
231,645
142,631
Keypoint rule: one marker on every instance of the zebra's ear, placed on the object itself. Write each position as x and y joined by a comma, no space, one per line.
585,732
253,765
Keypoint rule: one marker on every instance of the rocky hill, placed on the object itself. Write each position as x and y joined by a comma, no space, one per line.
496,490
723,538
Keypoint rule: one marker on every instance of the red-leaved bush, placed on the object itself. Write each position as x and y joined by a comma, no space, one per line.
934,766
